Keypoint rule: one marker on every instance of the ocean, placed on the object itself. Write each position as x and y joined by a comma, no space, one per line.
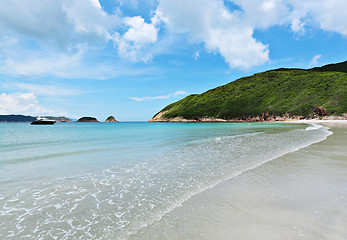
112,180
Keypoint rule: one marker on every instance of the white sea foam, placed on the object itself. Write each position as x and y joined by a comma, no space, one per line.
313,127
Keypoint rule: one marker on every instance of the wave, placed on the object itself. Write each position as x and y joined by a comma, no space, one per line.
313,127
236,174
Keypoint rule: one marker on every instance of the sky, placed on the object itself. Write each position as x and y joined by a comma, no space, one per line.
131,58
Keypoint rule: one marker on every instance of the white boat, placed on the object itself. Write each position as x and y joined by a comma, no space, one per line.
43,121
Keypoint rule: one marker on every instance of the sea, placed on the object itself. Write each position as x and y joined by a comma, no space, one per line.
112,180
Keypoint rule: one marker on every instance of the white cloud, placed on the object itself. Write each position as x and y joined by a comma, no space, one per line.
262,13
297,25
170,95
329,15
45,90
42,62
96,3
62,21
139,31
230,32
88,18
139,35
21,103
315,59
222,31
65,65
55,36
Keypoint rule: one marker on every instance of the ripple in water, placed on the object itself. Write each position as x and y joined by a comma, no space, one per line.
117,202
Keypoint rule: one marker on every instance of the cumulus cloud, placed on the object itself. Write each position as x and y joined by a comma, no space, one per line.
87,17
229,32
55,36
222,31
329,15
170,95
60,21
21,103
52,36
133,41
63,31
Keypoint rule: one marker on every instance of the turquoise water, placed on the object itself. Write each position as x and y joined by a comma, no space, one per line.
108,180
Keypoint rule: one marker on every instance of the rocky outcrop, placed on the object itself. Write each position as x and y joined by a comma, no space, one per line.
111,119
320,111
264,117
87,119
159,117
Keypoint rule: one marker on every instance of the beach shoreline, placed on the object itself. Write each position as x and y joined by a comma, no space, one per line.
300,195
318,121
263,118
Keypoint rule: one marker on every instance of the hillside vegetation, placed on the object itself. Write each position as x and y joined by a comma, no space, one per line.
294,92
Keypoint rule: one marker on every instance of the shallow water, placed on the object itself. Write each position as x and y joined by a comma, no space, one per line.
111,180
300,195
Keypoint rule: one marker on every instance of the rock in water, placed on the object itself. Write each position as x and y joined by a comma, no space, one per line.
87,119
111,119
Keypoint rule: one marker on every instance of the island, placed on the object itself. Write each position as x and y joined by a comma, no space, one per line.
274,95
111,119
87,119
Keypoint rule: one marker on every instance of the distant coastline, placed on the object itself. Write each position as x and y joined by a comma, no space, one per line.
16,118
24,118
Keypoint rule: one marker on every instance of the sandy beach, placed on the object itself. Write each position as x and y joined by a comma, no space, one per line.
301,195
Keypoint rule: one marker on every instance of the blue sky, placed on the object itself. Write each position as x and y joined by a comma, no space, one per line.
131,58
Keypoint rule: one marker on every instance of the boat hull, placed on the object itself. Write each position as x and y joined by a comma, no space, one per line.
42,122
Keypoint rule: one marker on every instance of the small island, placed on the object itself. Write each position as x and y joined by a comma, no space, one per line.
111,119
87,119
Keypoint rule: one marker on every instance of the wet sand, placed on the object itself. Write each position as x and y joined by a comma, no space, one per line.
301,195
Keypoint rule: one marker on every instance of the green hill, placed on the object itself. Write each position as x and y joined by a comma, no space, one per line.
289,92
